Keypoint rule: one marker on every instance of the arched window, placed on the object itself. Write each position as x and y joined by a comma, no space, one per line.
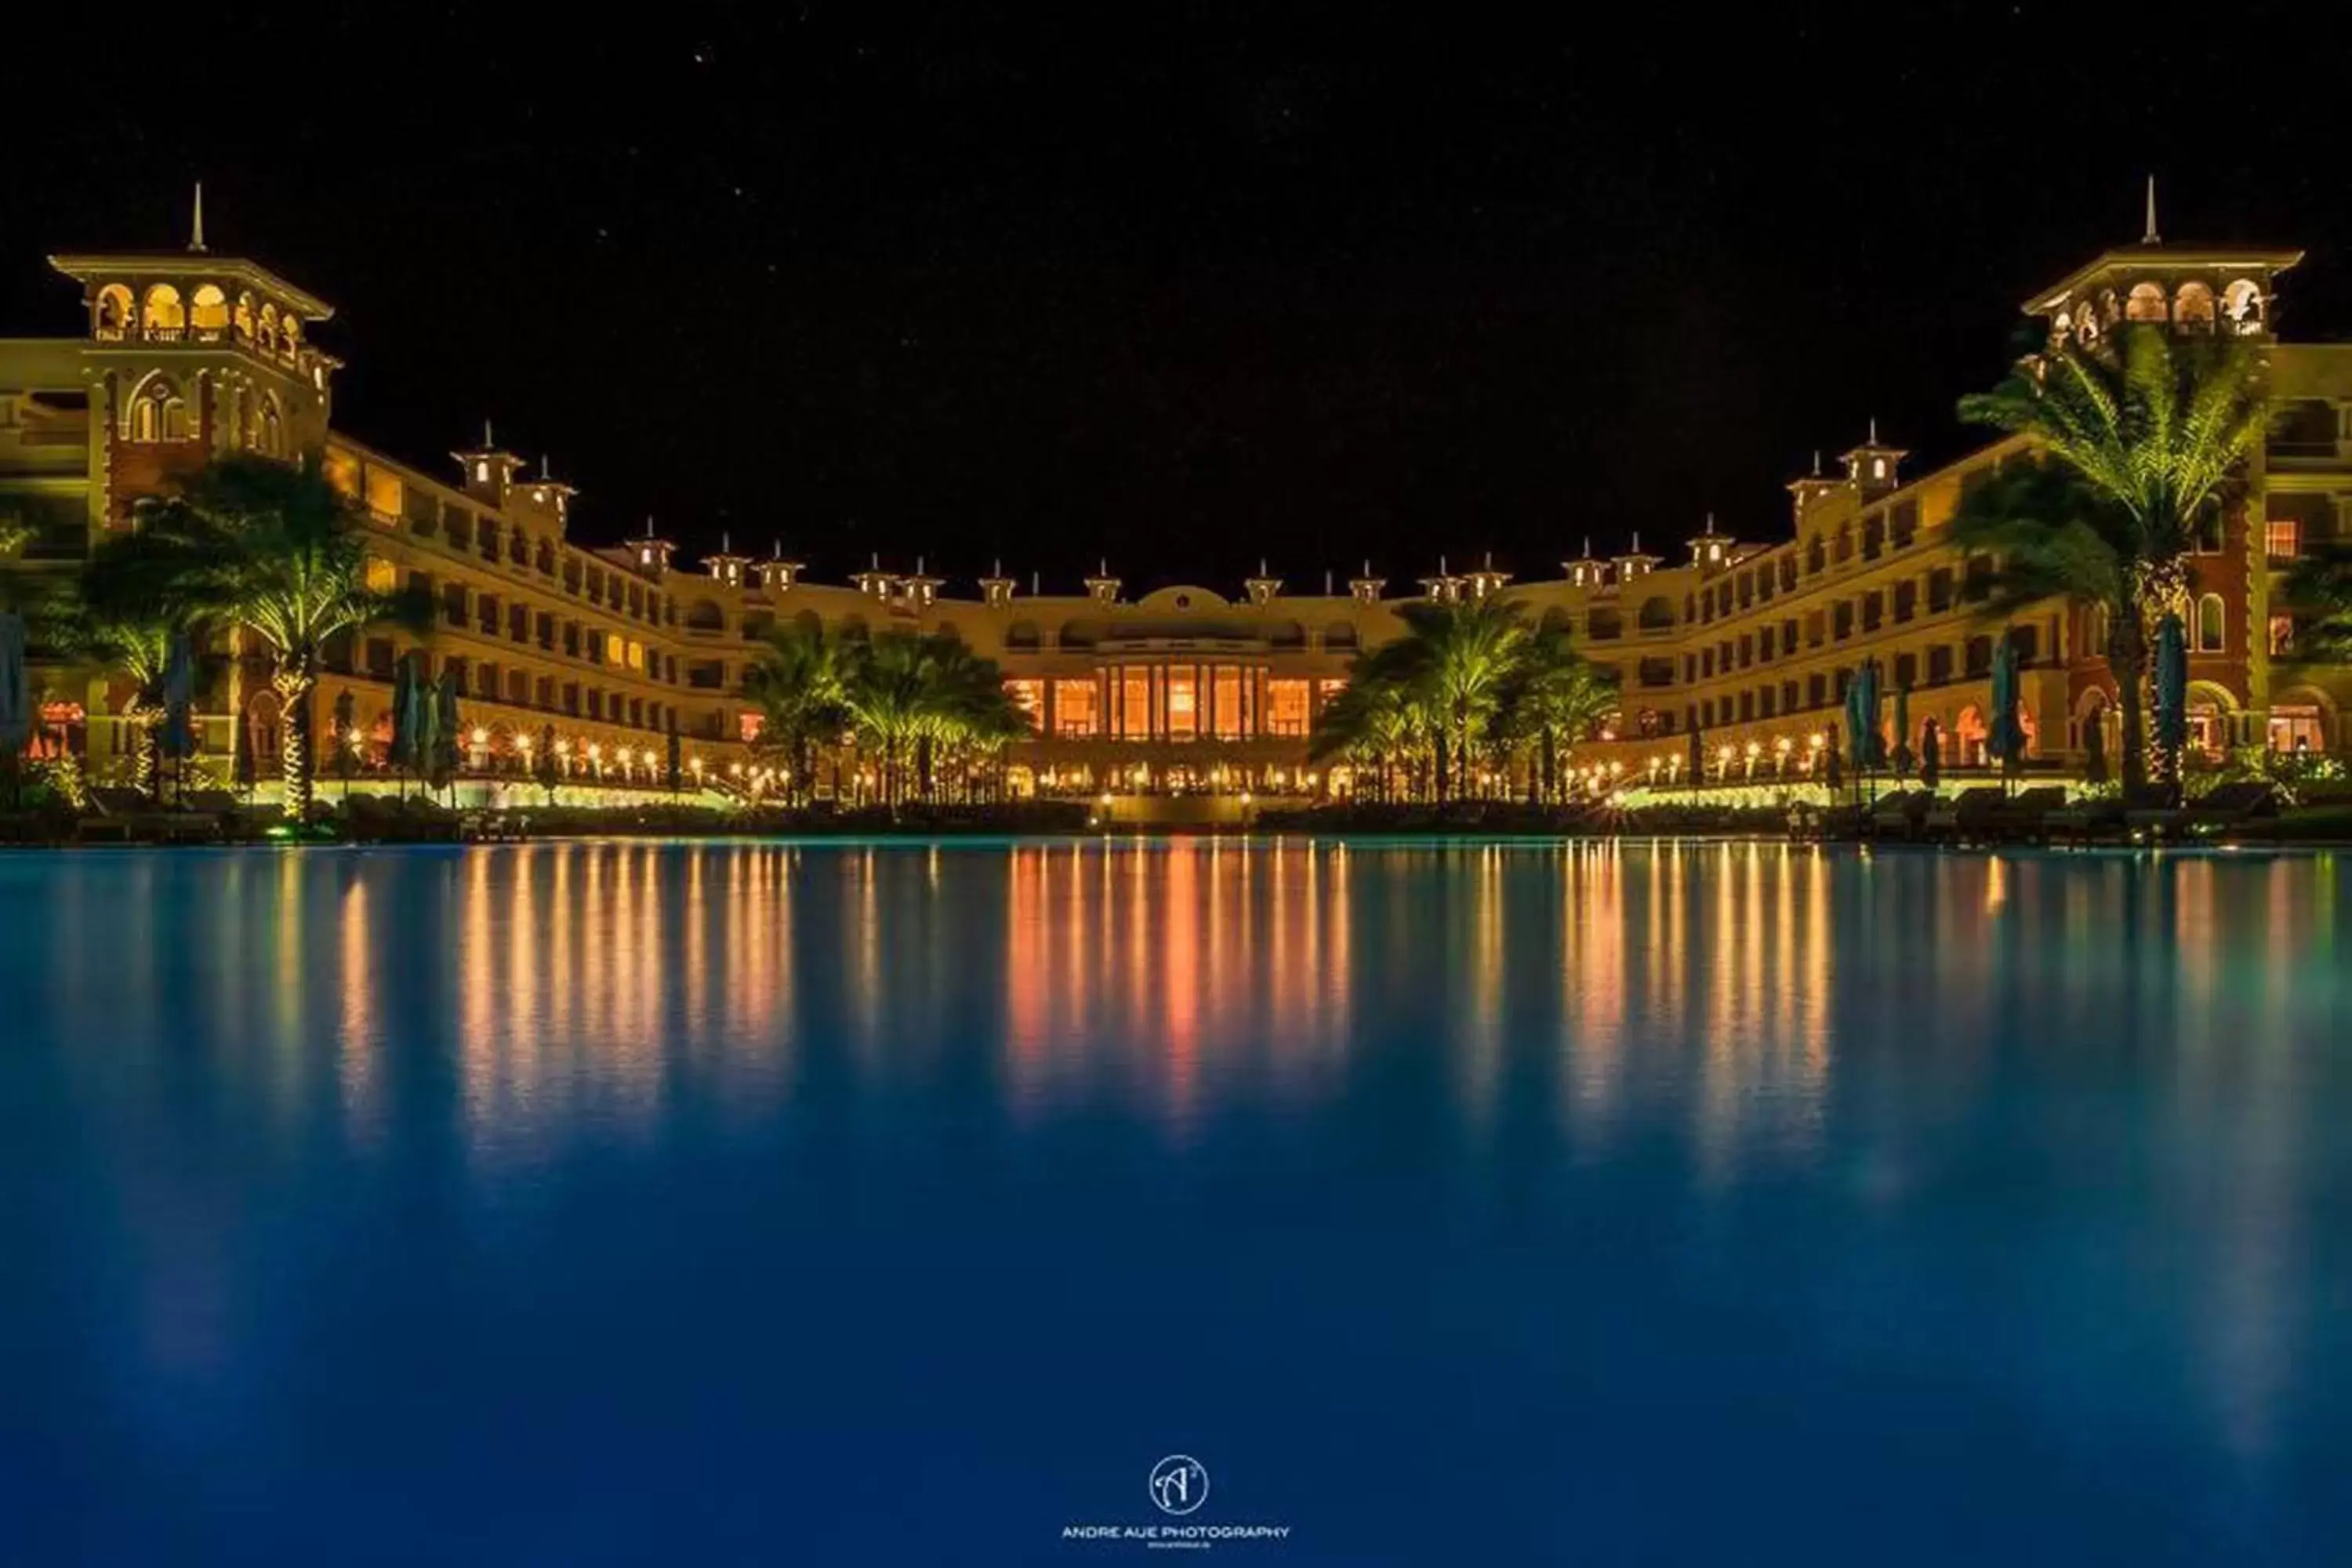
264,332
270,438
208,309
242,318
162,312
2212,623
2097,630
289,333
113,310
705,615
2192,307
157,413
1021,634
2242,301
1339,636
2109,311
2146,303
1657,614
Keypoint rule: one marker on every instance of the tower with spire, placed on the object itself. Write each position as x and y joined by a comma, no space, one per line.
725,567
2226,289
1711,551
1102,587
1365,588
1871,469
778,572
194,354
996,588
487,471
1262,587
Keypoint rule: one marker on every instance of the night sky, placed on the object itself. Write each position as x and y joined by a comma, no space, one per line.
1182,286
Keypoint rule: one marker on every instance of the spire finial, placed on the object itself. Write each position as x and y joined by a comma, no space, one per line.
775,550
2149,238
918,565
1588,547
996,567
726,544
1102,567
1368,565
196,233
1261,565
1873,429
649,517
1817,462
490,442
1710,522
546,471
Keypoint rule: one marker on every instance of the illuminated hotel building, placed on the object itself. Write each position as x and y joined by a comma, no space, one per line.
604,651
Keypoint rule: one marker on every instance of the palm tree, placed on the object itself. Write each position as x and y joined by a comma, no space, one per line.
887,697
2138,440
1374,722
970,716
2319,593
1454,658
284,554
799,680
122,612
1551,696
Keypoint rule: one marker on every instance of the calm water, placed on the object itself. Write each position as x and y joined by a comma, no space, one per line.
624,1204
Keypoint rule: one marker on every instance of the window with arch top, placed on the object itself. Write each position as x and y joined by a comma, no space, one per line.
157,413
2146,303
162,312
113,310
2212,623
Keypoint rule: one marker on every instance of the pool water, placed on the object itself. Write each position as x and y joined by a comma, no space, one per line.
618,1202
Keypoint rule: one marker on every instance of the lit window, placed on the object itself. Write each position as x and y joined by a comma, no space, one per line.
2284,538
2212,624
1073,707
1182,704
2297,728
1285,707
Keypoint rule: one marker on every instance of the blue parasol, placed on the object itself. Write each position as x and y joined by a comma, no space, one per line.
2173,691
2006,740
402,754
446,729
179,737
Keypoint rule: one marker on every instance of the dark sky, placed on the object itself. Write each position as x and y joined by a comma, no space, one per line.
1177,285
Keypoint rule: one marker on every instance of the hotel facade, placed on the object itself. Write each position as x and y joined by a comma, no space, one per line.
603,652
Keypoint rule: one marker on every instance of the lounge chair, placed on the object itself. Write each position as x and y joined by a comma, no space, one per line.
2026,815
127,816
2150,811
2231,805
1902,813
2085,821
1969,814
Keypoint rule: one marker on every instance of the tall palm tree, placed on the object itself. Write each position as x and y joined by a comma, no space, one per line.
1454,658
1552,697
2138,440
800,679
284,554
888,697
121,611
1375,723
2319,593
968,715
